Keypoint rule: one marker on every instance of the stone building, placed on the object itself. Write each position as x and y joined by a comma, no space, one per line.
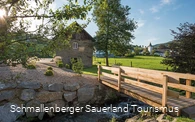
81,46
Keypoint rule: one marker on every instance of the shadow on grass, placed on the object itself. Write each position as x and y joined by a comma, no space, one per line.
91,70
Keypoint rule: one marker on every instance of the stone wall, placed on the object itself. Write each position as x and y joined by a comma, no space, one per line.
33,94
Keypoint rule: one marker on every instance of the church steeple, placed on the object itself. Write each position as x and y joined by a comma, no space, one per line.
150,44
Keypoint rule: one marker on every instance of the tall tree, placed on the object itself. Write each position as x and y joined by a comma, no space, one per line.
18,18
115,27
182,54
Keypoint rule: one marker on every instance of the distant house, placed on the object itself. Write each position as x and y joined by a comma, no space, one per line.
161,52
81,47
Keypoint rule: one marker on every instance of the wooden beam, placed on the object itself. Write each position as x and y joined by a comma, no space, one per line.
144,85
173,94
110,75
141,76
164,95
182,87
110,85
99,72
114,69
188,83
119,79
141,98
173,76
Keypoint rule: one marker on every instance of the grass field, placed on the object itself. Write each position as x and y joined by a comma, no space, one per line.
147,62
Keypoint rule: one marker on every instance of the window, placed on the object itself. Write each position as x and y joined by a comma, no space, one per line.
75,45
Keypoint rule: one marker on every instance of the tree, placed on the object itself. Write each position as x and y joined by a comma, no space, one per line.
114,26
146,52
153,51
167,53
137,50
162,46
182,49
54,31
122,50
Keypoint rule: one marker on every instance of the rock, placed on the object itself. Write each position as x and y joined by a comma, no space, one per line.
29,85
55,87
32,105
51,114
86,93
54,104
133,119
150,120
45,86
69,96
6,115
71,86
17,101
41,115
46,96
27,94
7,85
7,95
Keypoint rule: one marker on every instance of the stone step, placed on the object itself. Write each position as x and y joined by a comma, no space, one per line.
189,112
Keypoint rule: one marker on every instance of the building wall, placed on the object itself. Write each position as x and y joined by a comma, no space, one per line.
150,48
84,51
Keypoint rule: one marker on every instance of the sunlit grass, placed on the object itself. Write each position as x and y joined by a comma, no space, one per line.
147,62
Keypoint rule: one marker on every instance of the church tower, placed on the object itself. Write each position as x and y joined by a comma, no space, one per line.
150,48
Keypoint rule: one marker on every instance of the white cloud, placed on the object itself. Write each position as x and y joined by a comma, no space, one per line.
140,23
141,11
154,9
164,2
159,6
156,18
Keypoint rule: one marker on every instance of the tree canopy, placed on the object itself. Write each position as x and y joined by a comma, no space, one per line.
182,50
115,27
16,39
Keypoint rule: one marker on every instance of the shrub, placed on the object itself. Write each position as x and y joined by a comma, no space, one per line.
129,55
113,119
99,62
49,68
49,73
77,66
60,64
30,66
67,66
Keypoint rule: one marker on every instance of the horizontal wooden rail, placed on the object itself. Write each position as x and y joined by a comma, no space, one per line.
182,87
113,69
145,77
110,75
144,85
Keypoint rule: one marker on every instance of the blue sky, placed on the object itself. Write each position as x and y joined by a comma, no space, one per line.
155,18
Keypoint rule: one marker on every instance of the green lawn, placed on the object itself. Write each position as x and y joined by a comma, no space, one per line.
147,62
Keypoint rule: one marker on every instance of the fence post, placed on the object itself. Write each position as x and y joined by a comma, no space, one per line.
188,94
119,79
99,72
164,94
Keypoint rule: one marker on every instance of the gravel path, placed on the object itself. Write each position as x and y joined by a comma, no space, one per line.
61,75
